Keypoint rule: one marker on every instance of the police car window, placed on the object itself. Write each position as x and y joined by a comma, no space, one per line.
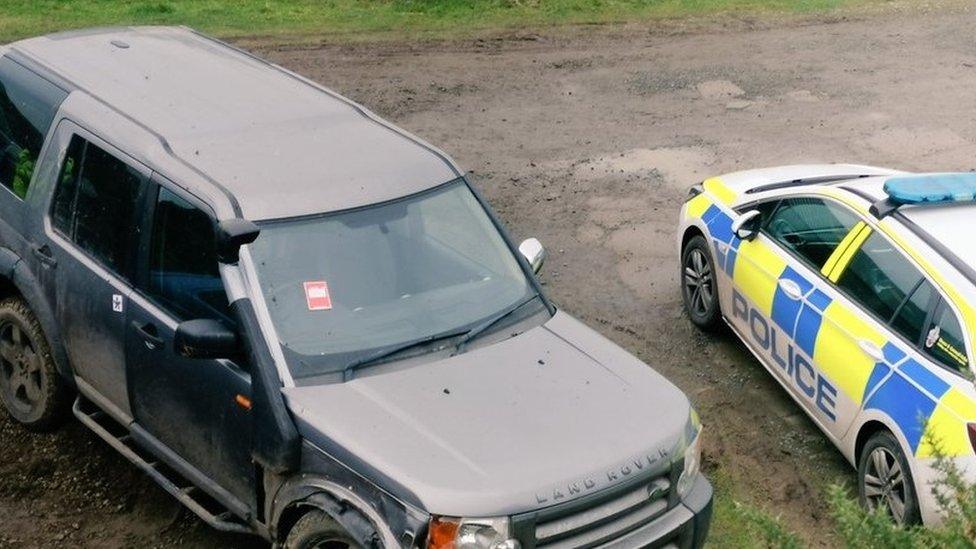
944,340
909,319
809,227
880,278
183,272
28,104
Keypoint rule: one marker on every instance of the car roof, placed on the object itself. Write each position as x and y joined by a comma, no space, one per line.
281,145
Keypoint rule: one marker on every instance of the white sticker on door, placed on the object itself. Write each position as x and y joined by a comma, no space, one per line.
117,303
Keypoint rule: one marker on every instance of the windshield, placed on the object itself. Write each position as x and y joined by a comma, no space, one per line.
344,286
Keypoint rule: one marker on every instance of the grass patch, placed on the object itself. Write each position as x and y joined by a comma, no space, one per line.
354,18
738,525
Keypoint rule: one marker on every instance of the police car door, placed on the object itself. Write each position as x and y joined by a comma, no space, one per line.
780,297
896,339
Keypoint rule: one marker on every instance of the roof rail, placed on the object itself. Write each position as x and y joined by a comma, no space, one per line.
802,182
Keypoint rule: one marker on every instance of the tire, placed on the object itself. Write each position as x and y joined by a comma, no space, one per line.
699,285
31,388
317,530
885,478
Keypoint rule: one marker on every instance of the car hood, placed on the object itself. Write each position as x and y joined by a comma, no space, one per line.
555,413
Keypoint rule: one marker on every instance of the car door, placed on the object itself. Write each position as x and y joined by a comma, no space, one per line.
88,244
900,342
779,298
197,408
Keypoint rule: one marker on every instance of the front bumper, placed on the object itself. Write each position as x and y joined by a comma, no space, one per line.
684,527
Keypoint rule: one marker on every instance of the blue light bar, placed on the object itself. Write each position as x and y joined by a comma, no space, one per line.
932,189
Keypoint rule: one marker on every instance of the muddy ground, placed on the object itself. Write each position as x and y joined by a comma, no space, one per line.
589,139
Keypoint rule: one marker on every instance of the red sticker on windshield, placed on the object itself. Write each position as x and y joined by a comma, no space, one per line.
317,296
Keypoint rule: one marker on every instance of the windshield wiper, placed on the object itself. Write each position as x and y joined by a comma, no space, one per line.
481,328
390,351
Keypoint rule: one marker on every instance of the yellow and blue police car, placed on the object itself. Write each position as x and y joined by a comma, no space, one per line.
855,287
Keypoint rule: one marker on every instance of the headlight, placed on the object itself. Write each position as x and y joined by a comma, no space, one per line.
457,533
692,464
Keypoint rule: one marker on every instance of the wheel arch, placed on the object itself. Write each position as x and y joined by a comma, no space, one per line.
352,512
16,280
872,422
691,232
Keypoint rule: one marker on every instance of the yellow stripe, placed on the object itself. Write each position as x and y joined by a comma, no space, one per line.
849,253
845,198
946,430
698,206
720,190
841,248
837,354
757,272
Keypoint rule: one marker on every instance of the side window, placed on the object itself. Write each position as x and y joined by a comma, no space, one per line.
28,104
183,273
944,340
810,227
909,320
96,202
881,279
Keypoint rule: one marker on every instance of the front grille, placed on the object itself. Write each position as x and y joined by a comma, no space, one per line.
594,521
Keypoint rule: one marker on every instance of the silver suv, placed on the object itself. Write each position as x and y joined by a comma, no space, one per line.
303,322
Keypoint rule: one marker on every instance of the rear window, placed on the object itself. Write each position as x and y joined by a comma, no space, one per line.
28,104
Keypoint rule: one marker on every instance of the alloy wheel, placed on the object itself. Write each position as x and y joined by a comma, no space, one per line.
21,372
699,282
884,483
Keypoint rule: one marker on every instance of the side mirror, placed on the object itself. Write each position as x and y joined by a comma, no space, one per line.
746,226
534,253
205,338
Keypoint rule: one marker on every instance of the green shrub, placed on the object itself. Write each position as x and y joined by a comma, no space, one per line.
23,171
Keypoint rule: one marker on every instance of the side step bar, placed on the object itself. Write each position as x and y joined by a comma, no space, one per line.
117,435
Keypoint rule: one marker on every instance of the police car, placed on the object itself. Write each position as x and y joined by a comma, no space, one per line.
855,287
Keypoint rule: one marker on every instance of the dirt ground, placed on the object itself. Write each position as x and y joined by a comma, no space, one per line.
588,139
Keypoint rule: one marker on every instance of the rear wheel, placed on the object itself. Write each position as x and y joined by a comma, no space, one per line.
699,288
885,480
317,530
31,388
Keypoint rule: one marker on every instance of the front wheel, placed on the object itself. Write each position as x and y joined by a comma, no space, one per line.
885,480
699,288
317,530
31,388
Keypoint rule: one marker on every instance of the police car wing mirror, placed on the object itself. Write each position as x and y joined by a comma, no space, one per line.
534,253
746,226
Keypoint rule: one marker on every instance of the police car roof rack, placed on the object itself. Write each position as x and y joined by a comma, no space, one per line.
884,207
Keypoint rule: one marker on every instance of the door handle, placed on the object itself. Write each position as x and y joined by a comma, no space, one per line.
149,333
791,289
44,255
871,350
